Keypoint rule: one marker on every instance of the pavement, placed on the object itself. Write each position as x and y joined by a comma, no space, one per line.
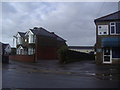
51,74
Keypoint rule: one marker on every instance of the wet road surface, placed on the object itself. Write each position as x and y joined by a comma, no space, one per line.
50,74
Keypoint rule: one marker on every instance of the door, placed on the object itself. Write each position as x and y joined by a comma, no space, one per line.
107,55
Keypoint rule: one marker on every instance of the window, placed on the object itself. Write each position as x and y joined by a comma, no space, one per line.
115,52
114,28
30,51
31,38
18,51
25,40
102,29
118,27
19,40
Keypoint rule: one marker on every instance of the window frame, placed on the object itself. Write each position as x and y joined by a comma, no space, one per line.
107,32
114,29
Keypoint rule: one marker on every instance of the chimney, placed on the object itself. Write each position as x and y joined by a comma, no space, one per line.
52,32
35,27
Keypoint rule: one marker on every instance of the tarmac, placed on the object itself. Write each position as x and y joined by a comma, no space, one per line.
83,71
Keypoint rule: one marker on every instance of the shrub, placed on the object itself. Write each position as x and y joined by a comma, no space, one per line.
62,54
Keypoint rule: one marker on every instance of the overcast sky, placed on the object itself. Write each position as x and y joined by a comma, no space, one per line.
72,21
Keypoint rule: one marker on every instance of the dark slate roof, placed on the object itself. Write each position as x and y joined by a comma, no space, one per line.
81,47
4,45
58,37
41,31
109,17
22,34
44,32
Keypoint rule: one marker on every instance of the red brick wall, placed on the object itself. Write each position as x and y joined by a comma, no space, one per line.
23,58
47,53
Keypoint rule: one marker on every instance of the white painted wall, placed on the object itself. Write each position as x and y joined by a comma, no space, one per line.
20,50
18,39
31,37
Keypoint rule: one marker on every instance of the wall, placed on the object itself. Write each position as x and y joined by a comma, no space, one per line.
46,53
46,48
115,61
23,58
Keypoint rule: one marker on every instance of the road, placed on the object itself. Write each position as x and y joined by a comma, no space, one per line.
46,74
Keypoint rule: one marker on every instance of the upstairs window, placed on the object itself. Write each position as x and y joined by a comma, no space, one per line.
102,29
31,37
19,40
118,27
114,28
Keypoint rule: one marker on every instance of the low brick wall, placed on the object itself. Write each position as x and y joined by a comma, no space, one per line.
23,58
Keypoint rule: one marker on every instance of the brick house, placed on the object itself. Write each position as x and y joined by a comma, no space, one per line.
108,39
38,44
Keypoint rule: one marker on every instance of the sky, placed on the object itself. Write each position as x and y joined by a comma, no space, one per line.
73,21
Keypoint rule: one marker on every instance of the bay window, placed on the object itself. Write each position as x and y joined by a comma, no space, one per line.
19,41
31,51
31,38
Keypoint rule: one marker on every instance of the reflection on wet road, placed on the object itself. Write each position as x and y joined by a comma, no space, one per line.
50,74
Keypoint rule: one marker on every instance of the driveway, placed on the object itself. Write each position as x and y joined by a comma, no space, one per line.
51,74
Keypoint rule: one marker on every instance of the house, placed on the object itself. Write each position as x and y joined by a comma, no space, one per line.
85,49
39,43
108,39
5,50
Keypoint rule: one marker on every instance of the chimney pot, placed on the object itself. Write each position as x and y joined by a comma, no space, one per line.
35,27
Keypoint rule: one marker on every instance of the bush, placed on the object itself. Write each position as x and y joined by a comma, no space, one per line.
62,54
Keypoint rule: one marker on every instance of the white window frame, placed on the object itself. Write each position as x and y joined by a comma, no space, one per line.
103,33
112,26
30,51
108,55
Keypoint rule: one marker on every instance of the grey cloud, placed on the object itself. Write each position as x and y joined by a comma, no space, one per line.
72,21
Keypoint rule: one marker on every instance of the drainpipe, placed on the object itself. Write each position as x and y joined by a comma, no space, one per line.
35,55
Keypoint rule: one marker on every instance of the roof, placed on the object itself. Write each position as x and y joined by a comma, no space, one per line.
58,37
41,31
22,34
4,45
81,47
44,32
110,17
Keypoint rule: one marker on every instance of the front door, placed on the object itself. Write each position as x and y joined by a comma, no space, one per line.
107,55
